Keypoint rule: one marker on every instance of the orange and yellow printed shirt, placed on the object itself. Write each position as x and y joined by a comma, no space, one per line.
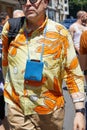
60,63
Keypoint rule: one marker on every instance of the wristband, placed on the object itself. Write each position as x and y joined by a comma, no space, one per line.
82,110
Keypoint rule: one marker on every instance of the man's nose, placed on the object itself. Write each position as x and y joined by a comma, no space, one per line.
28,2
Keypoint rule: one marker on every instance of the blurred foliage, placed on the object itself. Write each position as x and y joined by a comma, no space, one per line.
76,5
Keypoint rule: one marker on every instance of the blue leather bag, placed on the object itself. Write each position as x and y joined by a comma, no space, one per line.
33,70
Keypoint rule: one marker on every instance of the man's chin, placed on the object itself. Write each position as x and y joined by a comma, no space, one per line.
31,17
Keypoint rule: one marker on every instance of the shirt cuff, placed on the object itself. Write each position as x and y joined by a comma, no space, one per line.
78,97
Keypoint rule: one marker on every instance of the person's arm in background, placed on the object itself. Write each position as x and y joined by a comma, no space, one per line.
72,31
75,83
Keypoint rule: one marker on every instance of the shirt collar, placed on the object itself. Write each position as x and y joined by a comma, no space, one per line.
38,30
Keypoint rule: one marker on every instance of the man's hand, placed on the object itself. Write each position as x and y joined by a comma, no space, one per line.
79,121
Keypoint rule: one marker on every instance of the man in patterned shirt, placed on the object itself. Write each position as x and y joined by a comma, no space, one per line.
45,49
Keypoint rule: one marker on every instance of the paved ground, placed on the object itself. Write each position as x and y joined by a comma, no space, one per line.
69,112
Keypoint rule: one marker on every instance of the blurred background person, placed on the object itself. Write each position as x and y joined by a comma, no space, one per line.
18,13
83,43
84,20
3,18
76,30
83,51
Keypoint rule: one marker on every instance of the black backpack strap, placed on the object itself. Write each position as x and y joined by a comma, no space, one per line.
15,25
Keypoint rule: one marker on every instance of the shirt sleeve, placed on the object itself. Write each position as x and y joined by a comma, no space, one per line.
73,74
5,48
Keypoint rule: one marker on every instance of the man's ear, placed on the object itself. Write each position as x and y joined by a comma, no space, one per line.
46,3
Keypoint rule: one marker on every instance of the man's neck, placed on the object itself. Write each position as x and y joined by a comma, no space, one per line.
36,23
79,21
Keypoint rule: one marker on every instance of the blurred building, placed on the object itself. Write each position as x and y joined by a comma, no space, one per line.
57,9
63,7
8,6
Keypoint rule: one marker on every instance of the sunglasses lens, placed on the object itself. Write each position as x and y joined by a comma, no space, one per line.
22,2
33,1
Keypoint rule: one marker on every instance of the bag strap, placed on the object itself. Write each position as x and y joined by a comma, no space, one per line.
41,56
44,33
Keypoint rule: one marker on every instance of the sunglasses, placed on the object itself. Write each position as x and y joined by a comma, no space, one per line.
23,2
